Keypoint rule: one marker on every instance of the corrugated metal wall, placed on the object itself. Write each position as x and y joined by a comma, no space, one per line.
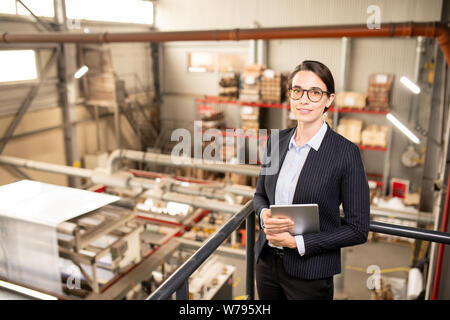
207,14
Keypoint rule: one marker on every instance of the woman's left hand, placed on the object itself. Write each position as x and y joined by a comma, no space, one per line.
282,239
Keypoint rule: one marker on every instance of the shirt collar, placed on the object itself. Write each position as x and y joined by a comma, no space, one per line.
314,142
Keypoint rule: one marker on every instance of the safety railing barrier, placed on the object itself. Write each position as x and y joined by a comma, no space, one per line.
178,281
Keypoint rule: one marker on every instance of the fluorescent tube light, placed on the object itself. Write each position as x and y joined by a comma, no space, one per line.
81,72
26,291
410,85
403,128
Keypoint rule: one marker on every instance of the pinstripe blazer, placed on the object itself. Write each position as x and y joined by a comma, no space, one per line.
330,176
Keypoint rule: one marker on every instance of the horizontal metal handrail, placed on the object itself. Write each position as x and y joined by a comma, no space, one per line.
180,276
178,281
410,232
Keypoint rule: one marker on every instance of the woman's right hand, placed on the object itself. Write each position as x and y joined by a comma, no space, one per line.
275,224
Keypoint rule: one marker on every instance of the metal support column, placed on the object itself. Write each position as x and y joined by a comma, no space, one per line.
343,74
434,173
342,86
67,94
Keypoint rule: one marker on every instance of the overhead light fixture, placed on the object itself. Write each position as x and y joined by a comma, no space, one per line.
26,291
410,85
402,128
81,72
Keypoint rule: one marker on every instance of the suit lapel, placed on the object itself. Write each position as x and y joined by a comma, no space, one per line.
283,148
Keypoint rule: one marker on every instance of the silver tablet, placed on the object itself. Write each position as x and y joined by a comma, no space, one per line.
305,216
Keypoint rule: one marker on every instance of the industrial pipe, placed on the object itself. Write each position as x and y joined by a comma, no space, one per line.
203,185
403,29
125,180
164,159
48,167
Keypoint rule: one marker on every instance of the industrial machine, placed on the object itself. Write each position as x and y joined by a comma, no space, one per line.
92,246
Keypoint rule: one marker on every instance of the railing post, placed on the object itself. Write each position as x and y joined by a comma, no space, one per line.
250,255
182,292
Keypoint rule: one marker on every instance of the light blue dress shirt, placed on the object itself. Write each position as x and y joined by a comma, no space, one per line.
290,172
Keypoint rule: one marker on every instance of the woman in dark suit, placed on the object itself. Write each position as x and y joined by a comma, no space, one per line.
316,165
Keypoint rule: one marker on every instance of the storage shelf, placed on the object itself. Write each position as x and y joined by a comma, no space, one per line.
233,134
379,183
354,110
384,149
212,99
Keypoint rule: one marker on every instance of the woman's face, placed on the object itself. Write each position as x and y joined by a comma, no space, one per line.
304,109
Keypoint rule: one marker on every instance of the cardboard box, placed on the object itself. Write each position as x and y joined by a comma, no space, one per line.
350,128
374,135
249,113
379,91
250,83
351,99
249,124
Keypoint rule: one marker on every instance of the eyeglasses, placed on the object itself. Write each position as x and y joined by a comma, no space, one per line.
314,94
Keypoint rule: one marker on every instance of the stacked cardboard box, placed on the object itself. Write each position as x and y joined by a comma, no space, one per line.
213,120
251,84
379,92
249,118
235,178
351,129
271,86
351,99
374,135
100,80
229,86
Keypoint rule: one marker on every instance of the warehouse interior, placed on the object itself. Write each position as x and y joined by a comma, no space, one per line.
100,198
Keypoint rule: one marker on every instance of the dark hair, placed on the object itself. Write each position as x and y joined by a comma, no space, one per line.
319,69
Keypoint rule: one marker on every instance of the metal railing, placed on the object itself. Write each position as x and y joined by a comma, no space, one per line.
178,281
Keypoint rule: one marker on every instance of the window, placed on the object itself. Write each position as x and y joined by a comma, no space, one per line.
42,8
212,62
17,65
129,11
201,62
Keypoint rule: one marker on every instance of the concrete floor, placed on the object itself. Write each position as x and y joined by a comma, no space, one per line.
393,260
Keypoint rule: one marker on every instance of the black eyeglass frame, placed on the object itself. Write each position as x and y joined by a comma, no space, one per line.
307,93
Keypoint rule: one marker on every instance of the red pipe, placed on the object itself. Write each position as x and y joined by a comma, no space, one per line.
404,29
437,275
